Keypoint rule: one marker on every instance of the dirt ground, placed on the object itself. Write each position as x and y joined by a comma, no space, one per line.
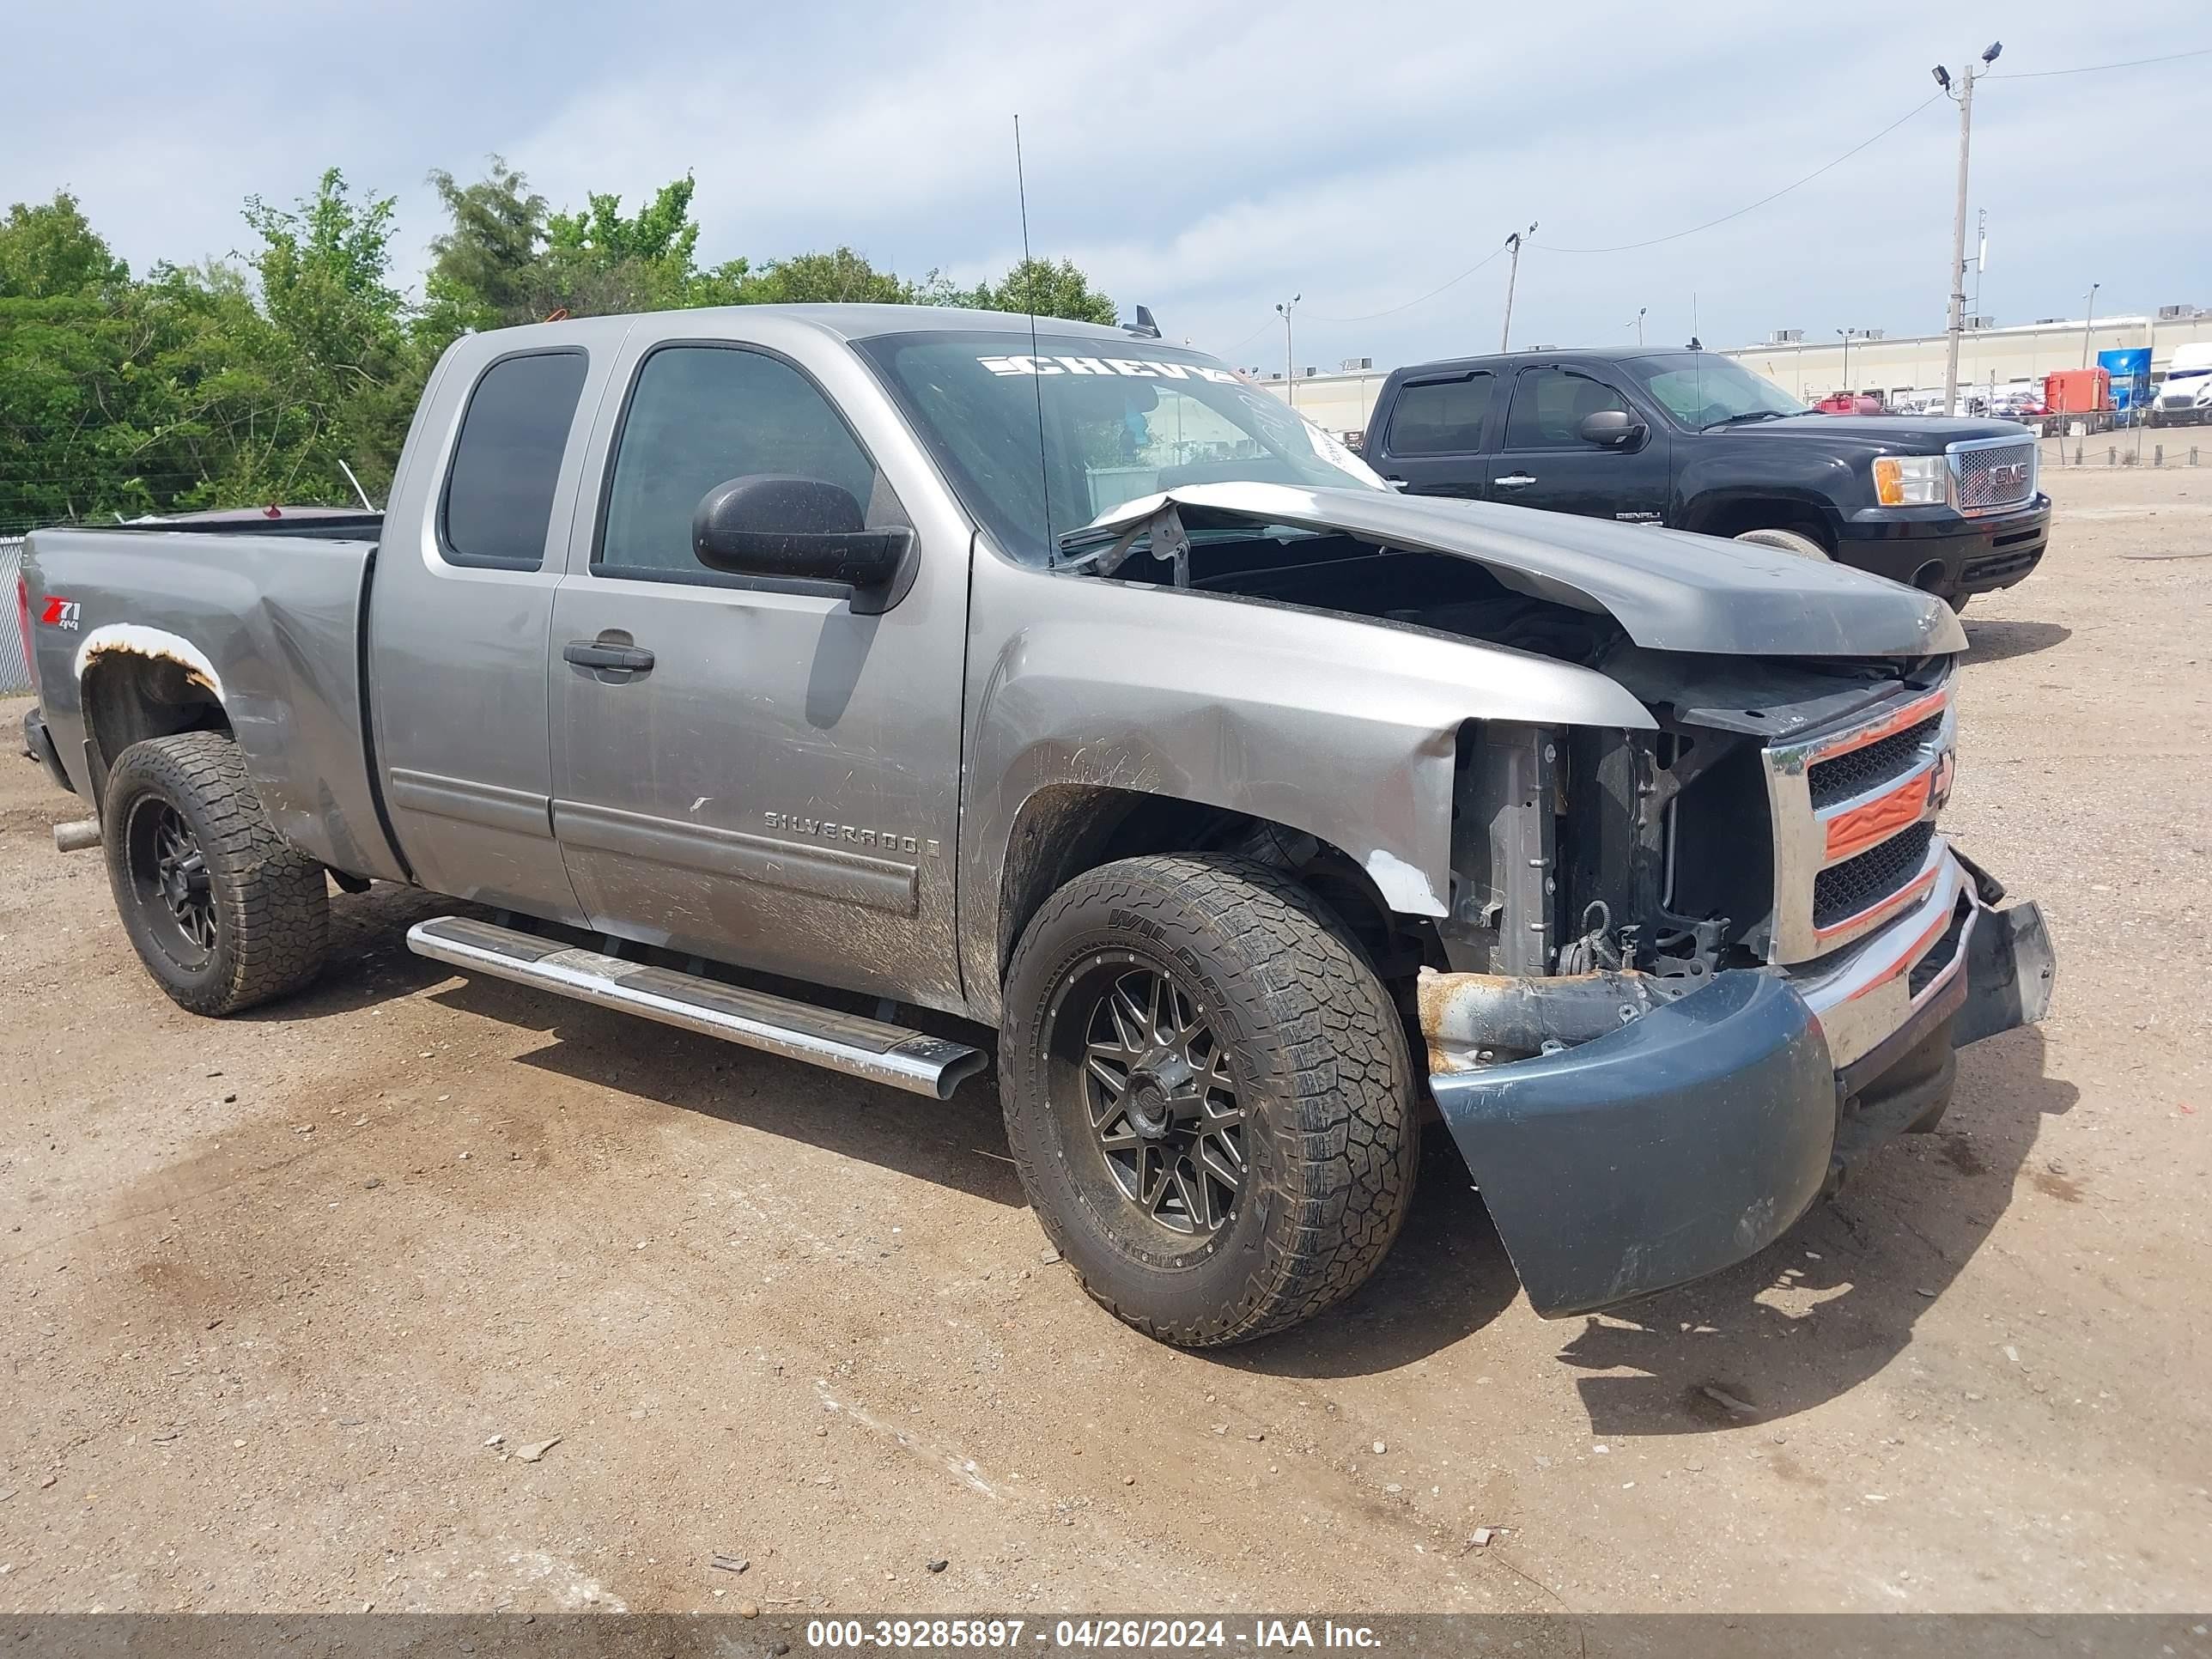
270,1288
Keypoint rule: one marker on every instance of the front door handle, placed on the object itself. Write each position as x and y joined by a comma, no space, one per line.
590,653
1514,480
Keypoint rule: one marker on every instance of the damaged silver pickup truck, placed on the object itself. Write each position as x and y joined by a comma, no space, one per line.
782,673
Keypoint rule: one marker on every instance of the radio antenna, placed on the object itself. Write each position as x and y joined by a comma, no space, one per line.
1036,381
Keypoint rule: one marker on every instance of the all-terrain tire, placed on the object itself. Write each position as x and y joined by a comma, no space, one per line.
1788,541
1318,1054
265,905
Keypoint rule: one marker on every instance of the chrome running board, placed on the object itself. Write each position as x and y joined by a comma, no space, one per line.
822,1036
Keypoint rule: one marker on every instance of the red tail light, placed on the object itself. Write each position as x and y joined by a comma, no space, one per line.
23,622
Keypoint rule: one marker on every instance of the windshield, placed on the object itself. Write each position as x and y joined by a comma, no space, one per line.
1699,389
1113,428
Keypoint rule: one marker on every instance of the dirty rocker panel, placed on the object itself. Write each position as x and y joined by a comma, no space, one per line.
825,871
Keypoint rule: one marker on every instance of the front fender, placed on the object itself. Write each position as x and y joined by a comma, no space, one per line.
1345,729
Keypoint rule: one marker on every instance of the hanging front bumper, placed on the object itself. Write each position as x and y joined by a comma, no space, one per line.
1697,1132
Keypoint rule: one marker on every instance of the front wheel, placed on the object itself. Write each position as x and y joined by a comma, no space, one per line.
1787,541
222,911
1209,1096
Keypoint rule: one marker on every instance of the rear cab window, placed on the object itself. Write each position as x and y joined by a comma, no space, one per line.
1441,417
497,504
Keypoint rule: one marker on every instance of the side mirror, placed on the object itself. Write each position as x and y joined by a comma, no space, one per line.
1611,428
800,529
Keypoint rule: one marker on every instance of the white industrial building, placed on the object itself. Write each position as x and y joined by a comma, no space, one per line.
1340,400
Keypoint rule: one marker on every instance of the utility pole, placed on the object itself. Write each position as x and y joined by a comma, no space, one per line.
1638,325
1963,90
2089,313
1512,275
1847,333
1290,366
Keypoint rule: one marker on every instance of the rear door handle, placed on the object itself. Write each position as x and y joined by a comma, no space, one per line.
1514,480
590,653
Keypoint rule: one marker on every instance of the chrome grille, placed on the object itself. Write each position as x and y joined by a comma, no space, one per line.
1843,890
1854,813
1857,770
1988,474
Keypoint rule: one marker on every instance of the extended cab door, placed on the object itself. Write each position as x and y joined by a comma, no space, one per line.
1437,433
460,604
1544,462
775,780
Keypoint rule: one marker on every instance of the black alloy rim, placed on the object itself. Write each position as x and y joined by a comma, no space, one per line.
169,872
1159,1094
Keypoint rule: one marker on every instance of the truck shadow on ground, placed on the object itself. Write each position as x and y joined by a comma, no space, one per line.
1994,641
959,1143
368,961
1835,1300
1823,1309
1446,1278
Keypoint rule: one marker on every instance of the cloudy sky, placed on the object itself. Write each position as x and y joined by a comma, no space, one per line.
1207,159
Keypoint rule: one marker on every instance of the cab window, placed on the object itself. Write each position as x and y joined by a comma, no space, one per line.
498,498
1441,417
1551,404
700,416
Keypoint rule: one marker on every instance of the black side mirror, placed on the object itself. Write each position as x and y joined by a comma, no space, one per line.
1612,428
800,529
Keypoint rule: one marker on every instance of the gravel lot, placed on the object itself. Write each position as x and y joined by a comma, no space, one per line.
269,1288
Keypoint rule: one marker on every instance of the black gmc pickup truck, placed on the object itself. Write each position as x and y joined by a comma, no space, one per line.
1696,441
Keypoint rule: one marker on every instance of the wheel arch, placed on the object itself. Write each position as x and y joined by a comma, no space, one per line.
1730,513
1064,829
134,684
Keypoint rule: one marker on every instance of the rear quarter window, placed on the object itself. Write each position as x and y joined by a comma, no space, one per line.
498,503
1441,417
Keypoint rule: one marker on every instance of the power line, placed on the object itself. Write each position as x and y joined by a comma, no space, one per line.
1393,310
1248,338
2099,69
1675,236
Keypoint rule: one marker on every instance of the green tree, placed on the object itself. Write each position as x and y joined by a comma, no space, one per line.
600,260
487,268
51,250
1047,288
841,276
341,366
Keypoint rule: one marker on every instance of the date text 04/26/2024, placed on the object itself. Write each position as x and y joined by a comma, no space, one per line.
1265,1635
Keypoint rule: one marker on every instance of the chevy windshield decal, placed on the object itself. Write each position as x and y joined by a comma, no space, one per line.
1135,368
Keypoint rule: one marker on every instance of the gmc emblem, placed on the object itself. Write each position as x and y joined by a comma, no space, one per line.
2011,476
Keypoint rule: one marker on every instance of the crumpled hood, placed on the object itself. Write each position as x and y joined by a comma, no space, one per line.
1670,591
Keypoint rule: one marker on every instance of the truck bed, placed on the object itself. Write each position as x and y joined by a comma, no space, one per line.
259,625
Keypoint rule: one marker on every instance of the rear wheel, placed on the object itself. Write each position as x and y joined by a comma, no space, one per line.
221,910
1788,541
1209,1096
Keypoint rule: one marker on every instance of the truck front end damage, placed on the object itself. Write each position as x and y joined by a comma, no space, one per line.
1693,975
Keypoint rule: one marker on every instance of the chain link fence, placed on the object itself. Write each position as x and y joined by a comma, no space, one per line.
14,670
